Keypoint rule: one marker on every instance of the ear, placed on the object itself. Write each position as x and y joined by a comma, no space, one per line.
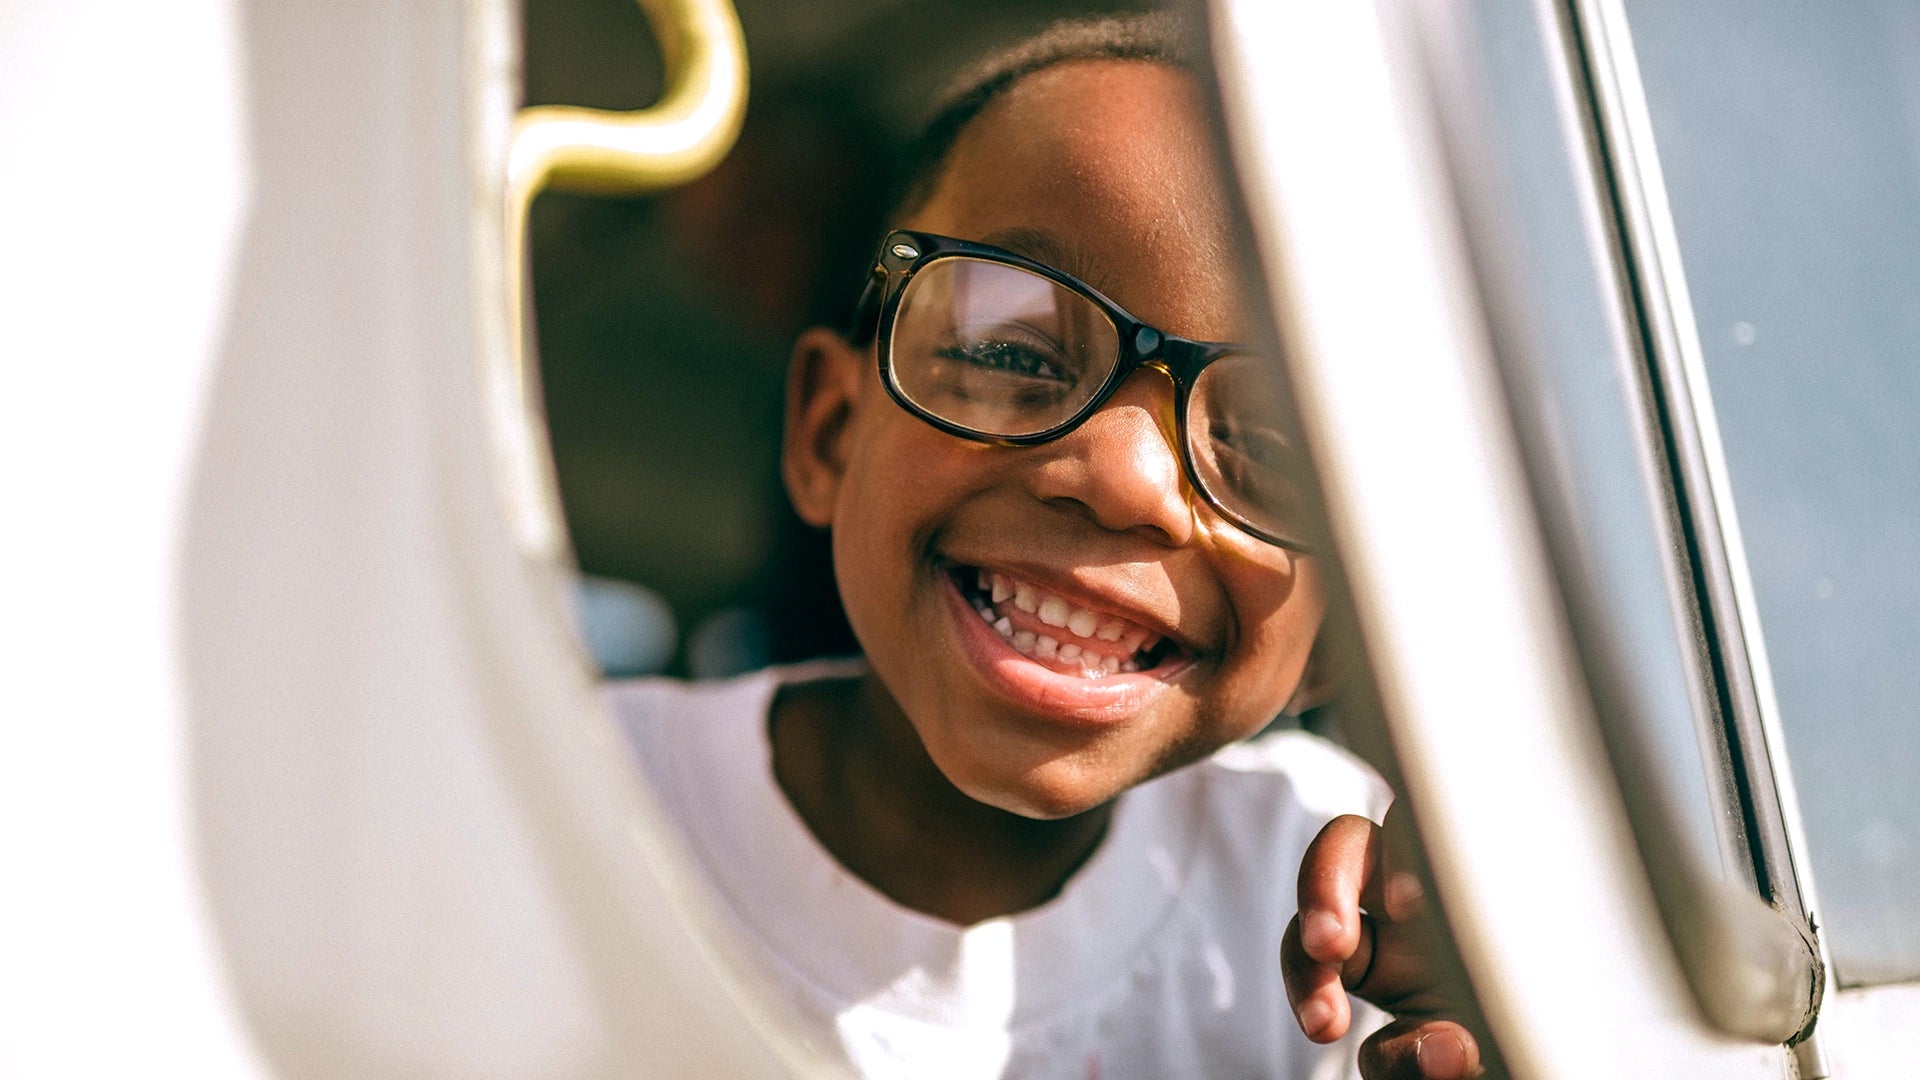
823,385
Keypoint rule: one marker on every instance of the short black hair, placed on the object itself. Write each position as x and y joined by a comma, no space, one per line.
1156,36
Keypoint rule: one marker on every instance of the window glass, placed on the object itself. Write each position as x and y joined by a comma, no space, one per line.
1789,134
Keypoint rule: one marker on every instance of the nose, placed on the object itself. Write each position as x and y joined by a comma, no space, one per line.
1121,467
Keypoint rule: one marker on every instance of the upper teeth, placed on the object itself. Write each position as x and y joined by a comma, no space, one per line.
1082,628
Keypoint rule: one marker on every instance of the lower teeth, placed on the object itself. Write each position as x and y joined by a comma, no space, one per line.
1026,643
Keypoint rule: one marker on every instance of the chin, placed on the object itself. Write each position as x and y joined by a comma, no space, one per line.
1038,794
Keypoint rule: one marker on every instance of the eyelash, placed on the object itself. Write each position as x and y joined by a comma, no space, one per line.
1004,356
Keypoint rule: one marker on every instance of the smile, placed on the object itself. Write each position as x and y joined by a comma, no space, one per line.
1101,681
1055,657
1052,631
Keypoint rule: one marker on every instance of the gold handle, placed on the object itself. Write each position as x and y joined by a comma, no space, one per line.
680,137
675,140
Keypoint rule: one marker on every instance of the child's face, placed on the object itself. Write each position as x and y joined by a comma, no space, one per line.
1109,161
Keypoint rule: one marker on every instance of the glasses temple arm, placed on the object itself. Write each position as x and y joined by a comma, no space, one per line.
865,322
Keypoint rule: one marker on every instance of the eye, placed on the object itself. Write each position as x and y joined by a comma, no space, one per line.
1251,458
1255,447
1009,356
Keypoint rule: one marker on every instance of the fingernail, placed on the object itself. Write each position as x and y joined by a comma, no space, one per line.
1403,895
1315,1015
1441,1056
1318,931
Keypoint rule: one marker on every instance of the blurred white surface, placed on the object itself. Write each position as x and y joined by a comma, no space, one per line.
123,168
302,769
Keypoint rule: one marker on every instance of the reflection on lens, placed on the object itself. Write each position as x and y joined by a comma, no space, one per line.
998,349
1243,447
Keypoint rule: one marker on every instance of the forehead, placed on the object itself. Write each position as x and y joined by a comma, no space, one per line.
1111,161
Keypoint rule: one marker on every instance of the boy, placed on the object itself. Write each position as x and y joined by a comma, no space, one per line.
1063,535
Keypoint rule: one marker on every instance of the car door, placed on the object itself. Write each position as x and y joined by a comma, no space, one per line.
1485,279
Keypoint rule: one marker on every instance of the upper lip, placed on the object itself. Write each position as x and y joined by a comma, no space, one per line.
1152,613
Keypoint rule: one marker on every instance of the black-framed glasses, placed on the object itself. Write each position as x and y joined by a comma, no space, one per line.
989,345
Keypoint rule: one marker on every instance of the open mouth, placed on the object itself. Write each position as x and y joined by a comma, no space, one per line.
1052,631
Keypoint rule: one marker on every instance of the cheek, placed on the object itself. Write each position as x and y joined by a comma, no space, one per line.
1279,605
872,545
903,481
904,476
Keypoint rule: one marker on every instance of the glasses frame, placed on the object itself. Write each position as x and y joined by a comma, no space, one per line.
904,253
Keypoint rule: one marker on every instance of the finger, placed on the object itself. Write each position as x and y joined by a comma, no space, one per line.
1405,898
1314,991
1402,978
1420,1050
1401,895
1334,873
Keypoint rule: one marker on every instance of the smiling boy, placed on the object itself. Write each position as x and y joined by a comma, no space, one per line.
1026,837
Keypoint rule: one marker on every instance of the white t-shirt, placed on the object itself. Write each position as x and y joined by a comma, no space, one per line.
1159,959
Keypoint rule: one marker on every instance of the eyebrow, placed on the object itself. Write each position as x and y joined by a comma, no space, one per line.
1043,246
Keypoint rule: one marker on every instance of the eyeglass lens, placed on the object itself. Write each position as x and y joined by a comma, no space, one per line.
1006,352
997,349
1237,433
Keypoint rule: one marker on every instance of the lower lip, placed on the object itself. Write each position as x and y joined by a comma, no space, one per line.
1041,690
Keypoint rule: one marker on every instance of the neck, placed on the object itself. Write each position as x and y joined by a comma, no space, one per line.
852,766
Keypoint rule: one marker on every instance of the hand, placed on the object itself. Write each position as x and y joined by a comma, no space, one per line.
1333,947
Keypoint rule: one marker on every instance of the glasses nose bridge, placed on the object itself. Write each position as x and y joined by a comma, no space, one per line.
1166,410
1163,408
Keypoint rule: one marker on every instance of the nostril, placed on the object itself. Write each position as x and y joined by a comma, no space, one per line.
1156,533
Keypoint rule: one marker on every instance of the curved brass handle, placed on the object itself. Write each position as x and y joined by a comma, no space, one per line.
671,142
675,140
678,138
